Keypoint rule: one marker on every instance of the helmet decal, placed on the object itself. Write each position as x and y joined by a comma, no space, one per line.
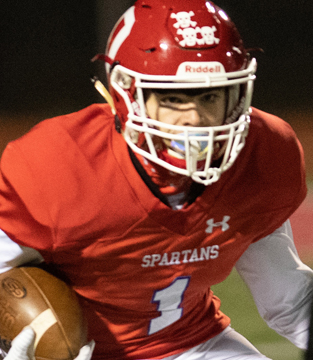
193,31
183,19
122,33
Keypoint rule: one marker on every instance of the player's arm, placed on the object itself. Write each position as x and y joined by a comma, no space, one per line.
13,255
280,283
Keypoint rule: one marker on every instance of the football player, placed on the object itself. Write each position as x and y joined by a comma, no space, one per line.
144,203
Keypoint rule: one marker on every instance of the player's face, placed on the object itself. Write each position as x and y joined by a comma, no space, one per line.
193,107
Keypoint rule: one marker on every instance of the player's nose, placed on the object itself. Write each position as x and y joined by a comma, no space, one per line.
191,116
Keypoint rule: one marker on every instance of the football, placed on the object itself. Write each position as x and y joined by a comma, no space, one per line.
32,296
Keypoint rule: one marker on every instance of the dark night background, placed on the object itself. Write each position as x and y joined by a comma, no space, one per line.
46,47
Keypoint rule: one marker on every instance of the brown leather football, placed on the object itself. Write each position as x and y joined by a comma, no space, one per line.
32,296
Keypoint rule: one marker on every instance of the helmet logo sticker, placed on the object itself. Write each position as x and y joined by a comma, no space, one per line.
183,19
190,34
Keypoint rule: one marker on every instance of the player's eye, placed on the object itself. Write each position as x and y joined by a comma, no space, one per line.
171,100
209,98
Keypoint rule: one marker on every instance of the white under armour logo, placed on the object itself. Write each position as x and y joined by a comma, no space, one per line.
211,224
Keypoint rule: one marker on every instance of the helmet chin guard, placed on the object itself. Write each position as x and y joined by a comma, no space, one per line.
184,45
221,144
206,151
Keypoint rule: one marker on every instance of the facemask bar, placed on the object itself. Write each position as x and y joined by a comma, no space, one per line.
231,136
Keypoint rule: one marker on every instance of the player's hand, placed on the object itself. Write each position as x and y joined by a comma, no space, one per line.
22,347
86,351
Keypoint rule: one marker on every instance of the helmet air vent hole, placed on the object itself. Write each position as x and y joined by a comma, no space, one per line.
145,6
150,50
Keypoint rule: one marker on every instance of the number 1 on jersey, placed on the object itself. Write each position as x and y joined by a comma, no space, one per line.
169,300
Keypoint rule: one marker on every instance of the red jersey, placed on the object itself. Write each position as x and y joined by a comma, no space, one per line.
143,271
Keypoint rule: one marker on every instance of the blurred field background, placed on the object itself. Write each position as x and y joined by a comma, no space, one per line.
45,71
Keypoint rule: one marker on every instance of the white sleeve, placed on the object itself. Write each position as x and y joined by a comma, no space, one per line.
12,254
281,285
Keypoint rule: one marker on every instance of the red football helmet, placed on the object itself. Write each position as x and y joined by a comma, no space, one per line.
180,44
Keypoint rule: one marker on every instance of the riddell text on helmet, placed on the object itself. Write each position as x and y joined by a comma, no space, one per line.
204,67
201,69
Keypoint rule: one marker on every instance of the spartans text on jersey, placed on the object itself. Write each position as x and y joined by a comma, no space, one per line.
181,257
